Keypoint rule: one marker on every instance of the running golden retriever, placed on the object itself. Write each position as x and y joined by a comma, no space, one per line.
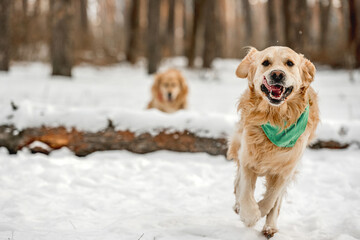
279,116
169,92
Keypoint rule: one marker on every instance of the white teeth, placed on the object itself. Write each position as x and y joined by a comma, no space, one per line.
274,97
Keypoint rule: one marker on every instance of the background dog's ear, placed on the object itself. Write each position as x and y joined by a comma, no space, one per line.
184,88
308,70
156,85
242,70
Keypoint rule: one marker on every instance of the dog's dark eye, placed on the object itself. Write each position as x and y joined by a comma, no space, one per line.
289,63
266,63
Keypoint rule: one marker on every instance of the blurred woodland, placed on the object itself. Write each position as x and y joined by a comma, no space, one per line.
102,32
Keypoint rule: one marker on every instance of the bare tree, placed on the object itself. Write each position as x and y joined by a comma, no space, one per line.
272,28
248,22
354,32
4,34
153,52
325,7
299,14
134,32
170,36
198,13
61,45
210,45
286,7
84,16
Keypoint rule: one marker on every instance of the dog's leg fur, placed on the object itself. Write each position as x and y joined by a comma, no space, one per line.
249,211
275,187
234,146
233,154
270,227
237,191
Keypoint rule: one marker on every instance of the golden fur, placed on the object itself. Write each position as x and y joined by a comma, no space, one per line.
169,92
253,152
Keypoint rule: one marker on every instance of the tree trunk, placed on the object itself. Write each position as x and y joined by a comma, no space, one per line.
324,23
248,22
272,26
61,44
134,32
4,34
299,14
154,50
198,12
170,36
84,16
354,32
286,7
210,46
187,27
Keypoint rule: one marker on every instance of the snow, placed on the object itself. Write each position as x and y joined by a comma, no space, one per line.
121,93
163,195
167,195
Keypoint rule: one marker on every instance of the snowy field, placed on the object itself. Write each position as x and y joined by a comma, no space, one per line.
167,195
163,195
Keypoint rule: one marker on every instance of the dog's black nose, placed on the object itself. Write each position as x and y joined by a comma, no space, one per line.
277,75
169,95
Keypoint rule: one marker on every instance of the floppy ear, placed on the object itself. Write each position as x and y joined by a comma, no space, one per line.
308,70
156,85
184,87
243,69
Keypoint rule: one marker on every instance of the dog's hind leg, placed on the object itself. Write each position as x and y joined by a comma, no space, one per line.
235,144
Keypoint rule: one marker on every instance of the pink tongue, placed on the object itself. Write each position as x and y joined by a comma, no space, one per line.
275,90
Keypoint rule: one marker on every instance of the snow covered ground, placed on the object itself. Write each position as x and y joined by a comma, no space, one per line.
167,195
163,195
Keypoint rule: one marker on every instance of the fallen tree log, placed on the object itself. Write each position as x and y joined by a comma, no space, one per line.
84,143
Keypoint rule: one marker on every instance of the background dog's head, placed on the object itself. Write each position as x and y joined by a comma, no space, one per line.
169,86
276,73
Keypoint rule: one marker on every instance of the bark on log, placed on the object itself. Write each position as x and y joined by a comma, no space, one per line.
84,143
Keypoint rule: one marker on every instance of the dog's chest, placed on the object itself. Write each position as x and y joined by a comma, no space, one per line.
266,158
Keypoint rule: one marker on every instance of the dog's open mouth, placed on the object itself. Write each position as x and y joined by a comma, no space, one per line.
275,93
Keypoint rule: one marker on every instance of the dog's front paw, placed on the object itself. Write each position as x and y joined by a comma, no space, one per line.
250,214
265,207
269,231
236,207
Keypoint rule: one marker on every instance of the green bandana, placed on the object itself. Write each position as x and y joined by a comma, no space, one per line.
289,136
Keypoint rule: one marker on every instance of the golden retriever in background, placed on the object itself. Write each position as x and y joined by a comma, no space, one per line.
279,93
169,92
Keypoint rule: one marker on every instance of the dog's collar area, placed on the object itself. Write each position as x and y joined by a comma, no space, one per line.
288,136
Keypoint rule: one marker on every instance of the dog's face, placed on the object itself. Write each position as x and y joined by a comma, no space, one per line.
169,85
276,73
